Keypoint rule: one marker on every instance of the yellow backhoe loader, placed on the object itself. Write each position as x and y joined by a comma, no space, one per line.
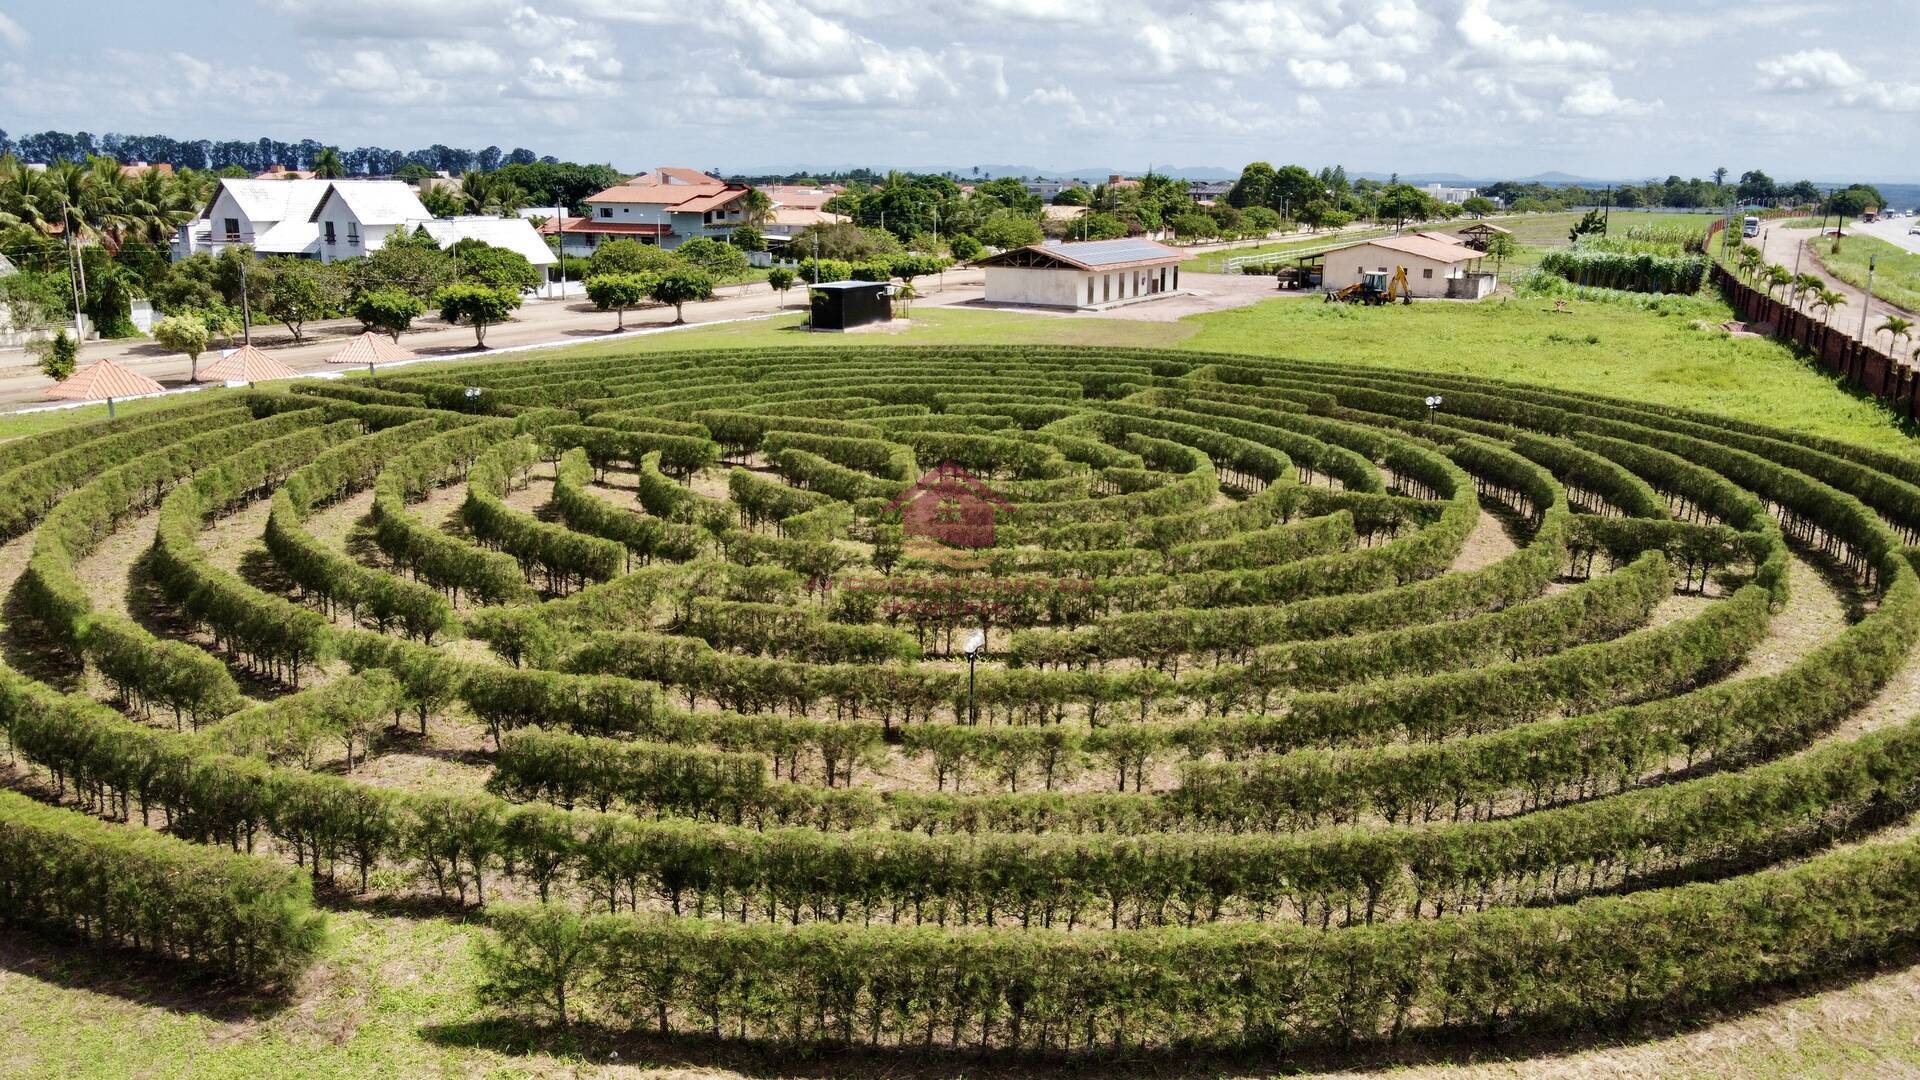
1375,288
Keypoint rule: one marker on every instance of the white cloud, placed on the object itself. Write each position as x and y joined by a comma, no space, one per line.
1823,70
1809,69
1501,43
1595,97
1053,11
12,33
1321,74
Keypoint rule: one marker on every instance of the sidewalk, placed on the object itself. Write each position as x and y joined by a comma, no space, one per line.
538,322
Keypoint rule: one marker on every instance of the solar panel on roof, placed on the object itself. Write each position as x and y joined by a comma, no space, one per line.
1108,252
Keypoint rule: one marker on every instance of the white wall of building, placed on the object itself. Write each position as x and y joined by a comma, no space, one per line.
1019,285
1426,278
1076,288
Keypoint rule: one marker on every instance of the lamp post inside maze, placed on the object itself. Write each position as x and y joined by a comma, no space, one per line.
1433,405
975,642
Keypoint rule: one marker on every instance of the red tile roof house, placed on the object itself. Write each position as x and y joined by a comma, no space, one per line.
667,207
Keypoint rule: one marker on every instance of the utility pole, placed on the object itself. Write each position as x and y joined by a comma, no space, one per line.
73,286
246,304
560,237
1868,302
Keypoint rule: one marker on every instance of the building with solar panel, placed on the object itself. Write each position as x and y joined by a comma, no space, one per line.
1087,276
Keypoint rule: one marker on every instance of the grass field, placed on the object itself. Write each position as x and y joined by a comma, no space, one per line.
1896,272
1670,360
392,993
1215,262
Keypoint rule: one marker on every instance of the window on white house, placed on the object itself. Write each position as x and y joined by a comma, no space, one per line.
353,232
1089,290
329,226
1427,273
606,211
233,228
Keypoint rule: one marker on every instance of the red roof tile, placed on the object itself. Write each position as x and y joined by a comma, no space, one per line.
245,364
101,380
370,348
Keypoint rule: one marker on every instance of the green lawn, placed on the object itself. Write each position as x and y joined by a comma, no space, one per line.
1215,262
1671,360
1896,271
14,425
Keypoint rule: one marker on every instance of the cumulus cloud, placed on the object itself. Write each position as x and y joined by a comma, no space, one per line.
1498,42
1809,69
12,33
1826,71
1595,97
1321,74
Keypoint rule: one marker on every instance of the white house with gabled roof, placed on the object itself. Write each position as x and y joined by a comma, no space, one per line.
354,217
297,217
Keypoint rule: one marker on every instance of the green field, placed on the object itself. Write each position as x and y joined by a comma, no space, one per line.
1669,360
1896,271
1215,262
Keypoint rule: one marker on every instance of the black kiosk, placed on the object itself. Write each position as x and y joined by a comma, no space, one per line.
843,305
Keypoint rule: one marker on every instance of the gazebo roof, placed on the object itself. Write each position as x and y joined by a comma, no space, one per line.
101,380
370,348
246,364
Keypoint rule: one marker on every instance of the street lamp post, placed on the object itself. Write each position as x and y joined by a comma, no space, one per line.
1434,402
975,642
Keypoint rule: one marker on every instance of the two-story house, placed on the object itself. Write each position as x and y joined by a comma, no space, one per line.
331,220
354,217
667,207
318,219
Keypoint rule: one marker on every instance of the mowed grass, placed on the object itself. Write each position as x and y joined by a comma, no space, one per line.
1896,271
16,424
1215,262
1669,360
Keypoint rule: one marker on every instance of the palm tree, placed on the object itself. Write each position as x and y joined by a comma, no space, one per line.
490,193
154,205
1804,285
756,208
1829,300
1777,276
1749,259
1896,327
327,164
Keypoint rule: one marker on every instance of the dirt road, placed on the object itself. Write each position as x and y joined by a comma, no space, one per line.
1790,248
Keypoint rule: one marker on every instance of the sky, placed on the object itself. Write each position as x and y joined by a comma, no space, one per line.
1485,88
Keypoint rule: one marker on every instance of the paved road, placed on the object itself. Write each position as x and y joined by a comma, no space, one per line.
1893,232
539,321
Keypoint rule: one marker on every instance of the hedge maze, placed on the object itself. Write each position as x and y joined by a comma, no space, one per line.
1305,714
